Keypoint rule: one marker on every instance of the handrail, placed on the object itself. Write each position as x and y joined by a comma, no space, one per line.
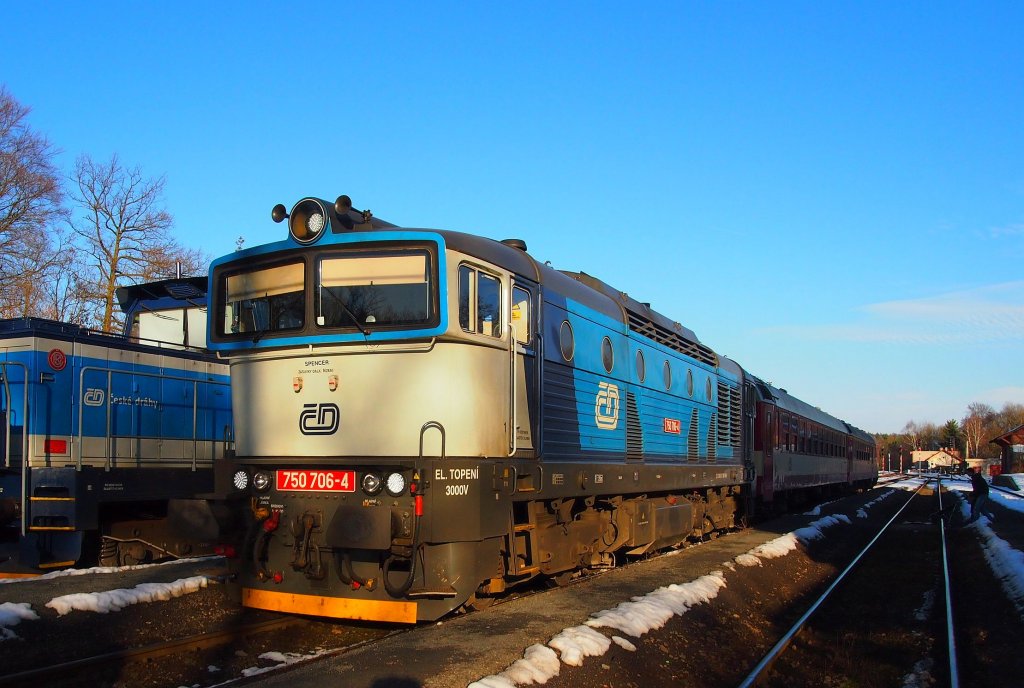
513,439
24,434
107,406
437,426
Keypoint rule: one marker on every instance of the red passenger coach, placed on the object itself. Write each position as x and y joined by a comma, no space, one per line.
800,451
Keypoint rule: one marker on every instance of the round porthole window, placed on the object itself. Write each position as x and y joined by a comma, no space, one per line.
641,366
707,390
667,373
566,340
689,383
607,354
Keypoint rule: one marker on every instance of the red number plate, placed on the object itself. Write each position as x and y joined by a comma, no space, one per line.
317,481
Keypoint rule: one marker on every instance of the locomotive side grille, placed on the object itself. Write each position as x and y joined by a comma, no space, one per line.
692,446
712,438
672,340
634,433
730,417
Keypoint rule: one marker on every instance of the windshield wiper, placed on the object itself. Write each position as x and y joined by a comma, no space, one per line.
349,313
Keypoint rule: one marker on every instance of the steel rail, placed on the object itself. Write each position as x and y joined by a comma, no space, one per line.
783,642
954,675
196,642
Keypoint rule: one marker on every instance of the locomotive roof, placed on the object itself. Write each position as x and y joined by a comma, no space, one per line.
586,289
181,289
69,332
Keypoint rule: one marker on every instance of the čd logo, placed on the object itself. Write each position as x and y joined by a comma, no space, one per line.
319,419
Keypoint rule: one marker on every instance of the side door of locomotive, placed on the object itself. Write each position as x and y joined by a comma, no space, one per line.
768,451
524,345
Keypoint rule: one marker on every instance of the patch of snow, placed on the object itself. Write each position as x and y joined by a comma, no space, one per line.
920,676
924,612
816,530
654,609
579,642
116,600
495,681
12,614
1006,563
103,569
623,643
538,665
281,659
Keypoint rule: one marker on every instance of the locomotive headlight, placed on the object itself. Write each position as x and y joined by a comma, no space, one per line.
261,481
240,480
307,220
396,484
372,484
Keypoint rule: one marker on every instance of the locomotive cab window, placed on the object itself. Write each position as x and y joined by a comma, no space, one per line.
521,315
374,289
269,299
479,302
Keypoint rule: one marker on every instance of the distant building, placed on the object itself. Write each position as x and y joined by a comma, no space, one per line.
942,460
1011,444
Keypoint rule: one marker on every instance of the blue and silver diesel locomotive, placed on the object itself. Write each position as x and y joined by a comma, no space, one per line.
106,441
425,418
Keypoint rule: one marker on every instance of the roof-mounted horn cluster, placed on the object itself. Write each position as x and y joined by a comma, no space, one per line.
310,218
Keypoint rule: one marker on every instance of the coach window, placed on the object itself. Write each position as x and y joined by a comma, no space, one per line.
707,389
479,302
641,366
607,354
667,373
521,315
689,383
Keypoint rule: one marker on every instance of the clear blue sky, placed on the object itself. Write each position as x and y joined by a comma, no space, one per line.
830,193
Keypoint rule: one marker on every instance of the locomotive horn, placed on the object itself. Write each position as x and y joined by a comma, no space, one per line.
279,213
341,208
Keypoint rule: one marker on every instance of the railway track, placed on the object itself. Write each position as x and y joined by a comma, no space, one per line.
842,616
79,669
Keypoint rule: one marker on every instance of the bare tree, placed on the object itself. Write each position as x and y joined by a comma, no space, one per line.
973,425
30,210
911,432
124,233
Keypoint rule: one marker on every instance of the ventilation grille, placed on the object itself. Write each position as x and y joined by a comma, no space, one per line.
712,438
634,433
692,447
671,339
730,415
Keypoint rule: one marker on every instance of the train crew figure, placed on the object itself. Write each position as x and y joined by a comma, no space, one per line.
979,496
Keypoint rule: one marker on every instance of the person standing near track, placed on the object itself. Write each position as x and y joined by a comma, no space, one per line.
979,496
